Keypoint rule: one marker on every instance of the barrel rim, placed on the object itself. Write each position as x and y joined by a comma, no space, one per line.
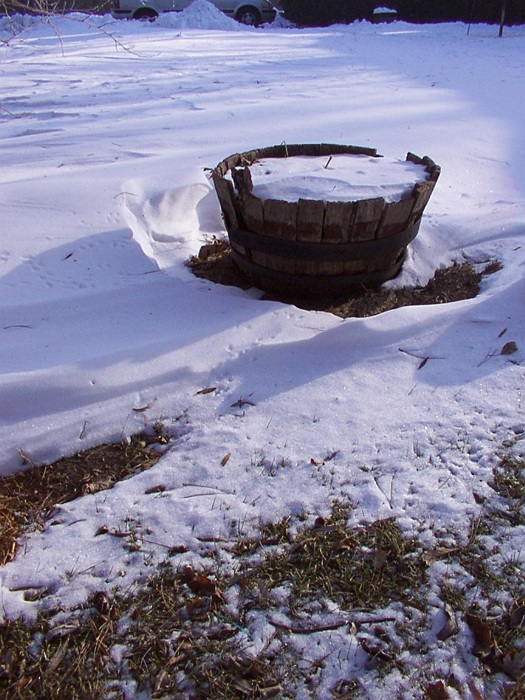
284,150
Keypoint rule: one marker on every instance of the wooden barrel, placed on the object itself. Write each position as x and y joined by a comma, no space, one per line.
317,247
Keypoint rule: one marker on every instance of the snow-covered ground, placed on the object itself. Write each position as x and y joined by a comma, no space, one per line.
107,130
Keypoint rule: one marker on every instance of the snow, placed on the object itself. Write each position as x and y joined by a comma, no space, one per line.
201,14
108,130
338,178
384,10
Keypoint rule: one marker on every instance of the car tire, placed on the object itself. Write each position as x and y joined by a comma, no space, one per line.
248,15
145,14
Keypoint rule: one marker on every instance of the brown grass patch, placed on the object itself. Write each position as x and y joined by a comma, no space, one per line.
169,637
368,566
28,497
454,283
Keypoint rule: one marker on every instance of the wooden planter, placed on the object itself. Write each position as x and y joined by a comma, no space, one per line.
313,247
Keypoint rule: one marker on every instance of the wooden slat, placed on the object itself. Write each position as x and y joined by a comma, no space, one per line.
367,218
353,267
233,161
396,216
361,150
414,159
220,170
226,195
253,213
311,149
385,262
242,179
280,218
241,250
338,219
275,262
421,192
273,152
249,157
435,172
310,215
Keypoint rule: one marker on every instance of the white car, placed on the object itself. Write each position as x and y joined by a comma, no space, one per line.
251,12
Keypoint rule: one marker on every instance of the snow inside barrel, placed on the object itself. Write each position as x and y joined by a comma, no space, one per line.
321,219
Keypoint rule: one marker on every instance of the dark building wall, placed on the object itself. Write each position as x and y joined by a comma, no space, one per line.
325,12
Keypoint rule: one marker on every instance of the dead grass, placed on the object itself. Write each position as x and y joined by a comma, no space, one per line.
175,636
453,283
28,497
365,567
495,614
509,482
46,661
168,638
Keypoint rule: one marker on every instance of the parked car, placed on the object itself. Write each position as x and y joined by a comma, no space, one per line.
251,12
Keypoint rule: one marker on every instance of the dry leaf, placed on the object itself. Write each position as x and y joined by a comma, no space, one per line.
8,664
243,686
160,488
96,486
451,626
271,691
374,651
144,408
476,695
62,631
482,635
517,619
224,460
207,390
57,658
177,549
198,608
380,558
22,682
509,348
199,584
514,665
437,691
439,553
101,602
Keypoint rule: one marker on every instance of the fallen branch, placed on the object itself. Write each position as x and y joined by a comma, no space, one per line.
331,626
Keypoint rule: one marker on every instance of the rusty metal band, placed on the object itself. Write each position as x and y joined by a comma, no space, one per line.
323,252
